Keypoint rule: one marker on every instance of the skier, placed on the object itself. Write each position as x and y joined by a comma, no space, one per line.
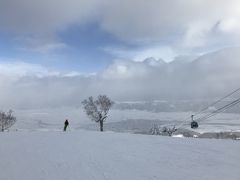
66,123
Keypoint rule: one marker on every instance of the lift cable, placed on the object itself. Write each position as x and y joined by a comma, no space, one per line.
233,103
216,111
204,109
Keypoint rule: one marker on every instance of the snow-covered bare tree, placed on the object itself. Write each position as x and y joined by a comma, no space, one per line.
97,110
6,120
169,130
158,130
155,130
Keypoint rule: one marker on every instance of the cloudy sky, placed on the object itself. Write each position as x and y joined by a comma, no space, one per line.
86,44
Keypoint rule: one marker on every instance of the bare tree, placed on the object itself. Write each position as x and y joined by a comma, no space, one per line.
169,130
6,120
158,130
97,110
155,130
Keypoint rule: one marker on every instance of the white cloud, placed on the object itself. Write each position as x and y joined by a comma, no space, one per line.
197,35
46,48
20,69
158,52
40,44
125,70
33,86
140,54
44,16
153,20
230,25
134,21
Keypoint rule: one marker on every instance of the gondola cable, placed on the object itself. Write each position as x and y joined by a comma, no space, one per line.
207,107
233,103
194,122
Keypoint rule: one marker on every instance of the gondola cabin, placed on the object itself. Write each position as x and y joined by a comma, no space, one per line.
194,125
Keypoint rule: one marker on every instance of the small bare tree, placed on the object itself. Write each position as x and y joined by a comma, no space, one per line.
155,130
158,130
169,130
97,110
6,120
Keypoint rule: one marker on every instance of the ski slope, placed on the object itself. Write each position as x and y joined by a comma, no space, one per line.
86,155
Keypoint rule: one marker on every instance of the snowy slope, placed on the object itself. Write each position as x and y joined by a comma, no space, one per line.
85,155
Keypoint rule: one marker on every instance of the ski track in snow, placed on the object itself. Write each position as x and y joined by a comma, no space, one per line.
114,156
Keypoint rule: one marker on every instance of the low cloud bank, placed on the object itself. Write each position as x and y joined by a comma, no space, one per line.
209,76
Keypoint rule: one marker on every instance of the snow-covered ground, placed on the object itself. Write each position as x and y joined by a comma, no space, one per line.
89,155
